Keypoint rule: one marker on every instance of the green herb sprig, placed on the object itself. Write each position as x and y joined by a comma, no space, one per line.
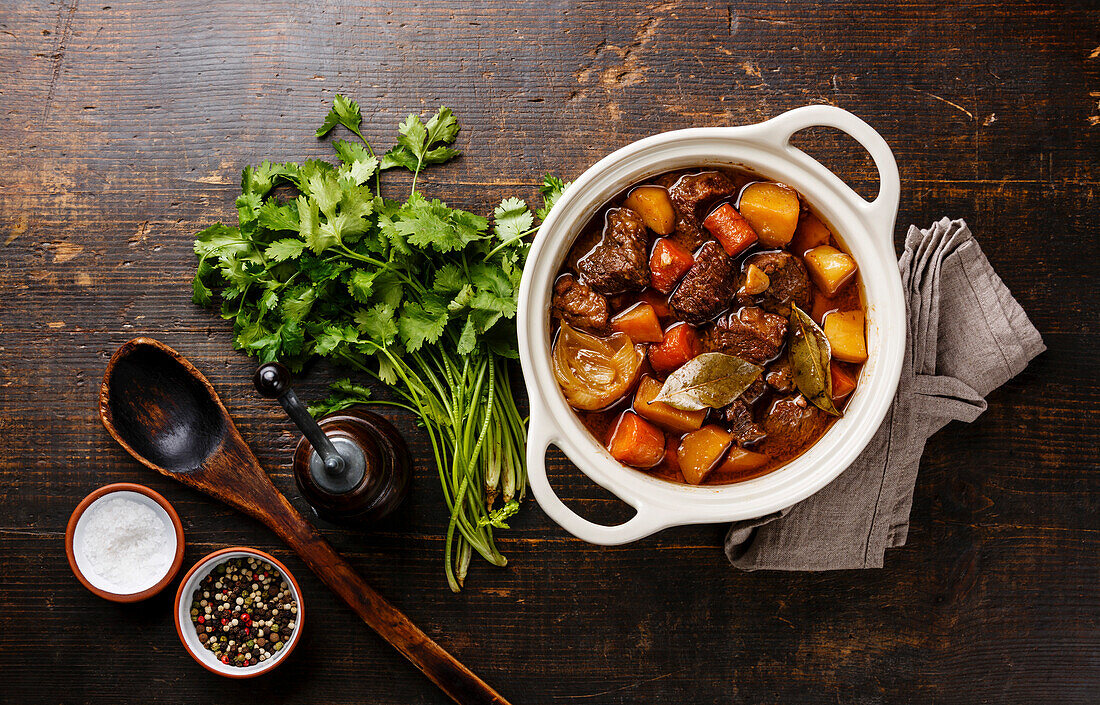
414,294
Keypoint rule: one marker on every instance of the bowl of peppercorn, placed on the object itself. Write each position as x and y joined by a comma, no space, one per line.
239,612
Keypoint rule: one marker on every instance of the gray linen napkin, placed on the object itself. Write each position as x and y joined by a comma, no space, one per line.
966,337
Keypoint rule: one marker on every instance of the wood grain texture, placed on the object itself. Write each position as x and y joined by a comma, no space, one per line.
126,125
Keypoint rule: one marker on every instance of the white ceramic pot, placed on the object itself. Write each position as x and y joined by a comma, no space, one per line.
866,229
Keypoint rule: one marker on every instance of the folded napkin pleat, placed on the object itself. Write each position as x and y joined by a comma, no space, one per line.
966,336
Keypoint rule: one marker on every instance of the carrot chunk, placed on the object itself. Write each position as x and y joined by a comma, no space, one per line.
672,447
680,344
664,414
636,442
667,264
843,381
640,323
731,229
659,304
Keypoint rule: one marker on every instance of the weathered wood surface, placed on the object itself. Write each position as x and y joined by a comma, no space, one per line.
125,127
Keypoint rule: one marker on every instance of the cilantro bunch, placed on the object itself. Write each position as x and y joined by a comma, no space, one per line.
414,294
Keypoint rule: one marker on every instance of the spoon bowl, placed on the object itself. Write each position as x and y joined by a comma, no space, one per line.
162,414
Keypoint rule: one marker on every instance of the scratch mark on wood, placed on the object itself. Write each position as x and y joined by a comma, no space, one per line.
139,237
620,688
18,229
28,532
66,251
59,54
943,100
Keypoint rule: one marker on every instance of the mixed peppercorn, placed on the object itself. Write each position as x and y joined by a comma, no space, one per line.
244,611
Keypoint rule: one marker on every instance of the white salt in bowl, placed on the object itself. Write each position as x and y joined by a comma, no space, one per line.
76,535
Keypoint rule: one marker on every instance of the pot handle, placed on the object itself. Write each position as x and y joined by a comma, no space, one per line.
648,519
880,212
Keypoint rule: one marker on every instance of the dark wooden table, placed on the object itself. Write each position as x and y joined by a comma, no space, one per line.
126,124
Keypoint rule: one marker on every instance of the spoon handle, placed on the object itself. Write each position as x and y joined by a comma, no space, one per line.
443,669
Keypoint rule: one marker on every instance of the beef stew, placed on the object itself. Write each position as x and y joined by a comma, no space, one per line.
708,326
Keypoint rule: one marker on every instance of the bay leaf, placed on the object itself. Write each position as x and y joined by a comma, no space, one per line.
809,353
709,380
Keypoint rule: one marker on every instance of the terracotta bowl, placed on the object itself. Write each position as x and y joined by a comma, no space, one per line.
74,535
186,629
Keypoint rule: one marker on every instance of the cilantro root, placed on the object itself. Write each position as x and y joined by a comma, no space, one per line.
414,294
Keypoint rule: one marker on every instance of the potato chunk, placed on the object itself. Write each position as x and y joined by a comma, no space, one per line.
664,414
655,207
740,462
844,329
756,282
829,268
701,451
772,211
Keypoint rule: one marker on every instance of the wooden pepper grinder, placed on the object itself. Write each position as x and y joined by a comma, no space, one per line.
353,467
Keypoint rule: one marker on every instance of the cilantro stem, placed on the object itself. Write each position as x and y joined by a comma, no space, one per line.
509,241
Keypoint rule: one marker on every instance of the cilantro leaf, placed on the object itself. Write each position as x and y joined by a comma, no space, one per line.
442,127
398,156
200,293
378,323
467,342
298,306
344,112
412,135
282,250
551,190
421,323
433,224
448,279
351,152
513,219
420,144
344,394
361,285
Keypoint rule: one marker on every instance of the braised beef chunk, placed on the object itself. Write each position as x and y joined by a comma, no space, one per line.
619,262
749,333
787,281
779,375
691,194
741,425
754,391
579,306
581,247
708,287
791,423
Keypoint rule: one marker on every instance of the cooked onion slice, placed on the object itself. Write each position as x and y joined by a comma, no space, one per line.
595,372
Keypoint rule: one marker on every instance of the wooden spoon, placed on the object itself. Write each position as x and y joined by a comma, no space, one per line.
167,415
